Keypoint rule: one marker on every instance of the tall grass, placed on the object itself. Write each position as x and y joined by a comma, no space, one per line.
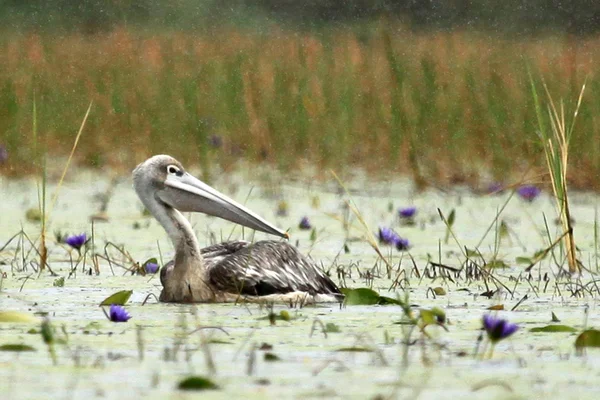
442,106
556,133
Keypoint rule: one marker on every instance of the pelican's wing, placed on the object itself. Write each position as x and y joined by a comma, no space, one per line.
216,253
269,267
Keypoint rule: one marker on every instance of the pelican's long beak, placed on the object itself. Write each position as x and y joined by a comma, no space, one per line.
188,194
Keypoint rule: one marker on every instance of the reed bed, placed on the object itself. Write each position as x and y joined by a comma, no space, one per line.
446,107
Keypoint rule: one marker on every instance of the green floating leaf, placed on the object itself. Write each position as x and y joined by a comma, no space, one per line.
384,300
355,349
365,297
33,215
119,298
16,347
283,315
554,328
439,291
360,297
497,264
330,327
16,316
523,260
218,341
59,282
588,338
270,357
197,383
435,316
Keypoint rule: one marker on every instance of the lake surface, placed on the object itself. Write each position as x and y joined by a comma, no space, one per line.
106,360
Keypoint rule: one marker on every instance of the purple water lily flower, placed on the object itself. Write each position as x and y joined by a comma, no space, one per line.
305,224
407,212
3,154
498,328
118,314
151,268
529,192
76,241
387,236
402,244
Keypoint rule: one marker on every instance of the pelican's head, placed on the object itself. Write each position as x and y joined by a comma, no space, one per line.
163,179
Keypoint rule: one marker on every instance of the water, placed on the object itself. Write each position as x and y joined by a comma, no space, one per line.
103,360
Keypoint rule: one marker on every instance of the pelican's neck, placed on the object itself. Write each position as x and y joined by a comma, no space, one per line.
179,229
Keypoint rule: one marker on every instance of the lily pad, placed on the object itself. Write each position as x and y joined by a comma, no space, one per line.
554,328
365,297
270,357
588,338
16,316
523,260
497,264
16,347
355,349
434,316
384,300
197,383
360,296
439,291
33,215
283,315
119,298
330,327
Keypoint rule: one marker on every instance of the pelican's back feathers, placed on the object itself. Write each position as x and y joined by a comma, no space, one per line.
264,268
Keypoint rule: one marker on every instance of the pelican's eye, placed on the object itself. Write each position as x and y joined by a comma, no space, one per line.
173,170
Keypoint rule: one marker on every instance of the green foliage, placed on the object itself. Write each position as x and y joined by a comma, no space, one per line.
16,347
197,383
554,328
365,297
271,357
16,316
333,99
587,338
119,298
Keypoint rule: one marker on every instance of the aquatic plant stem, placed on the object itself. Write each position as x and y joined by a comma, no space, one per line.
370,238
62,177
556,148
491,352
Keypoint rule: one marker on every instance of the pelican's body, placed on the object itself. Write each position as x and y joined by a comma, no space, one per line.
232,271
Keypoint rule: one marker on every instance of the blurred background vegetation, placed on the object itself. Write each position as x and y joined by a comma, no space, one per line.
437,89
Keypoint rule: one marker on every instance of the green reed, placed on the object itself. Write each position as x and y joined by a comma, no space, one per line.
556,133
442,106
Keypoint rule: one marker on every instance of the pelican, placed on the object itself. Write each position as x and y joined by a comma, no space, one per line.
268,270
